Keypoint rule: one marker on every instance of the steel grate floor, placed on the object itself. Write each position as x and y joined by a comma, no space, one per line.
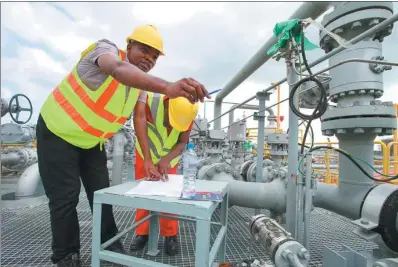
26,236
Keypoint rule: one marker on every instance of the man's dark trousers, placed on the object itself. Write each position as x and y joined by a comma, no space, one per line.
61,166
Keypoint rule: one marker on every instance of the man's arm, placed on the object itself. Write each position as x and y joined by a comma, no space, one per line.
141,128
179,147
130,75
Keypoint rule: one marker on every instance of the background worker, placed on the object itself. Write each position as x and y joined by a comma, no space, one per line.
86,108
162,127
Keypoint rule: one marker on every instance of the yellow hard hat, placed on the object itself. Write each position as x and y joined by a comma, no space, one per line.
149,35
182,113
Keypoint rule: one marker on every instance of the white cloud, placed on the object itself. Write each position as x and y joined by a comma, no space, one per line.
172,13
208,41
6,93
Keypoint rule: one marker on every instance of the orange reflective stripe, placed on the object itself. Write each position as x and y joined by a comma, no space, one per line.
123,54
99,106
76,117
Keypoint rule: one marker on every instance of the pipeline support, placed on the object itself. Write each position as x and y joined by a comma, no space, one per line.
260,117
292,78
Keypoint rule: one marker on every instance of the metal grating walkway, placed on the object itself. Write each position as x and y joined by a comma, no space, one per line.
26,238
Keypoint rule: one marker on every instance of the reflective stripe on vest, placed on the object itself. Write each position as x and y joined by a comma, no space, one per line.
84,117
160,143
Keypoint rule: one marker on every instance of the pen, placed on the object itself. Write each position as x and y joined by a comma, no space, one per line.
213,92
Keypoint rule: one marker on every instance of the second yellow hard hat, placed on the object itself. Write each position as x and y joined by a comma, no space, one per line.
149,35
182,113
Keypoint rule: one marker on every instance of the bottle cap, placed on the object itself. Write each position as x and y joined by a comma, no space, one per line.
191,146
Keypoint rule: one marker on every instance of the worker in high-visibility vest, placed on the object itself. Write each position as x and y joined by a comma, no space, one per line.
162,127
86,108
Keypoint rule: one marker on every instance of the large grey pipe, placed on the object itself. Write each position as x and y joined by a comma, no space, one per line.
118,157
30,184
308,9
346,199
270,196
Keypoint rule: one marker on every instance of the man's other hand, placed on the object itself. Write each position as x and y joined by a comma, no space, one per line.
151,171
164,168
188,88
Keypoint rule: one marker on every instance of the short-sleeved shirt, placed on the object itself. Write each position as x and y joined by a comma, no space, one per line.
89,71
149,114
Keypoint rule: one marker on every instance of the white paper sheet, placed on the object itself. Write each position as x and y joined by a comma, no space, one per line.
171,188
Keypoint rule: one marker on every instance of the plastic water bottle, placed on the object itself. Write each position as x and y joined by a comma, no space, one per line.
189,172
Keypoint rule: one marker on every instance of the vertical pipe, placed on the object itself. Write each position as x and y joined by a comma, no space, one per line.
260,138
279,108
292,78
307,201
299,207
118,156
353,184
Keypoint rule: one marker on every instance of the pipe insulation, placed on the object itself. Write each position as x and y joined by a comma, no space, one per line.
308,9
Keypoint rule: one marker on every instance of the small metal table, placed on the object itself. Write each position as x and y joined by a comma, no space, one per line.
201,211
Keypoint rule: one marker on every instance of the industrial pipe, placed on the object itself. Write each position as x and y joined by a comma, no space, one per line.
30,184
378,27
309,9
9,158
118,157
270,196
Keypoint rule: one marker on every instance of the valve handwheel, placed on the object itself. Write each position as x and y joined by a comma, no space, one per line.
16,108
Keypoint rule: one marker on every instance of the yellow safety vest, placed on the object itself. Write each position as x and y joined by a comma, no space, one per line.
160,143
83,117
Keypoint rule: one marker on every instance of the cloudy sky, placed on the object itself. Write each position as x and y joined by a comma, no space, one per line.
40,43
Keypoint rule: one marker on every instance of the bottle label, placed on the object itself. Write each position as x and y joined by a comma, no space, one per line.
192,165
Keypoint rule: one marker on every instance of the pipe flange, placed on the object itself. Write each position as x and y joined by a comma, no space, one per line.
377,117
340,93
252,173
244,168
207,172
351,19
27,157
290,253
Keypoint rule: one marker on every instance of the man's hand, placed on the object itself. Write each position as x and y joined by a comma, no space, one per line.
164,167
151,171
188,88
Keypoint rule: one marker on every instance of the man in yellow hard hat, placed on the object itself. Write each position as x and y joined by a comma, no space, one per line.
162,126
86,108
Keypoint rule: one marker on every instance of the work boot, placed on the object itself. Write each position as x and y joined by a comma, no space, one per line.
72,260
170,245
117,247
139,242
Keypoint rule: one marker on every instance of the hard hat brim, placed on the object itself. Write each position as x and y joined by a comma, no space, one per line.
128,40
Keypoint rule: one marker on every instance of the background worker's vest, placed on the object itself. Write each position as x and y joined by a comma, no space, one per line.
160,144
83,117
